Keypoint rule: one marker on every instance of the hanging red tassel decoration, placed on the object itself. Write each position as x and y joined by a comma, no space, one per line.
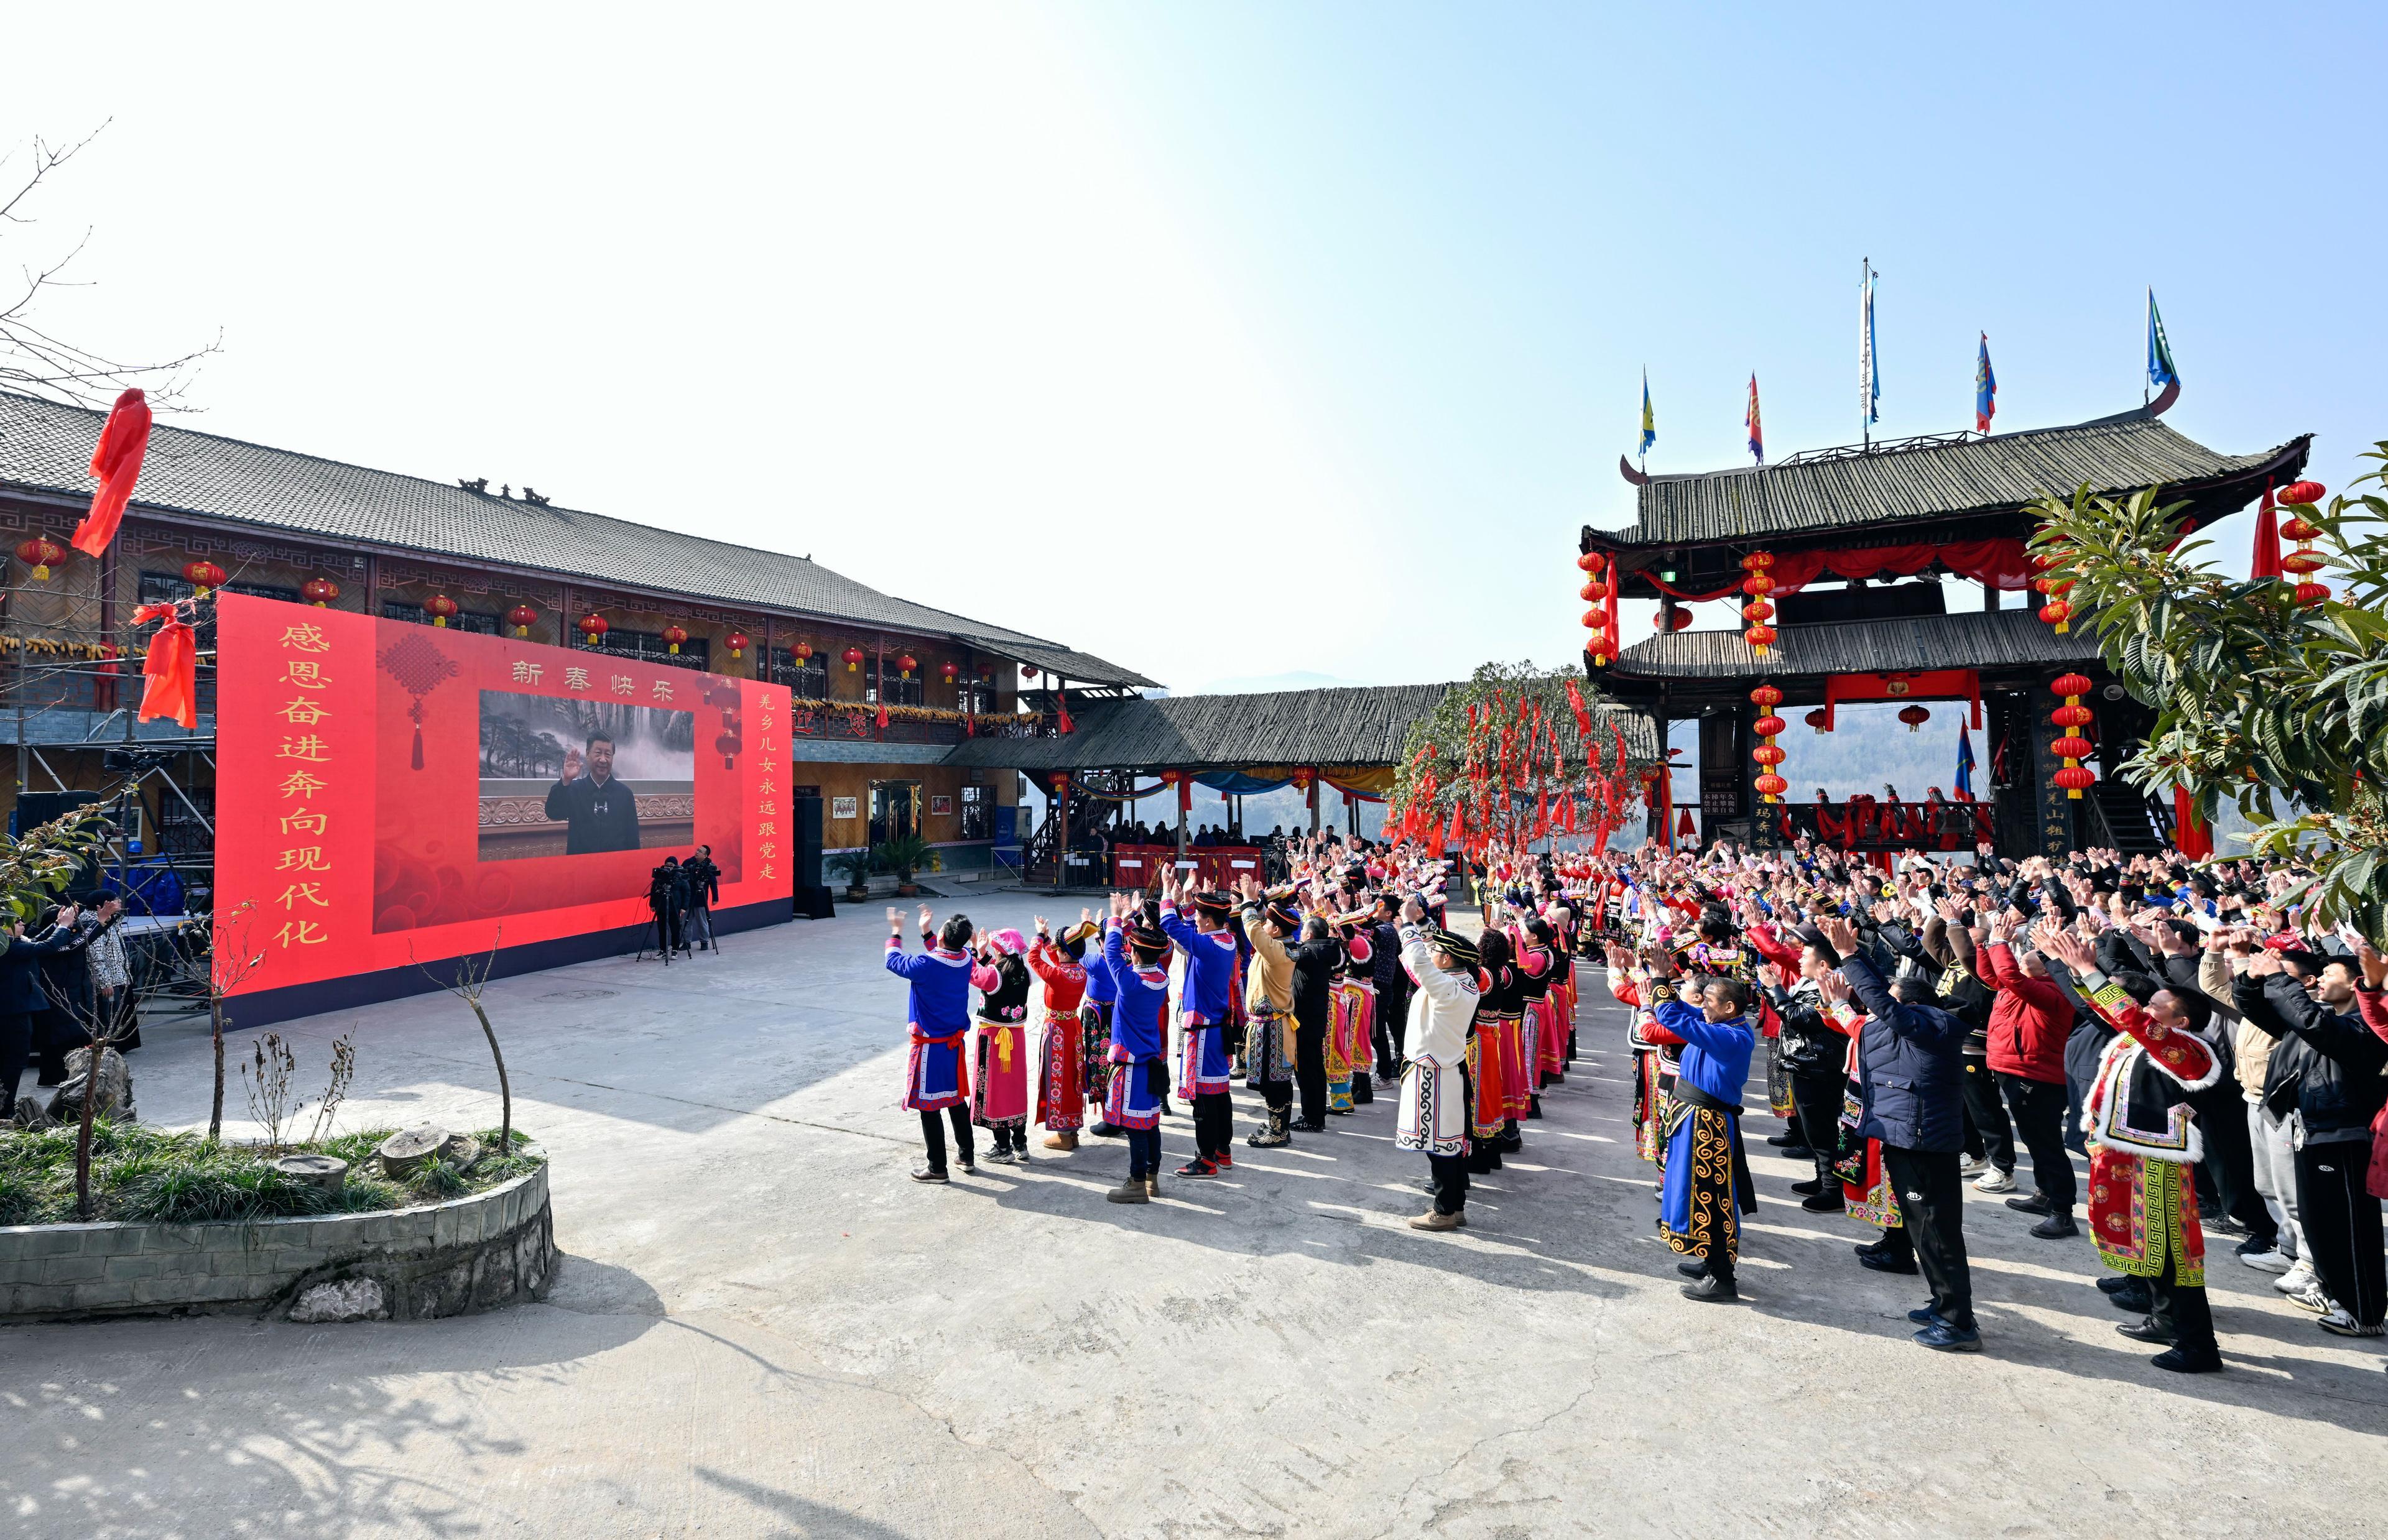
171,671
116,463
1063,699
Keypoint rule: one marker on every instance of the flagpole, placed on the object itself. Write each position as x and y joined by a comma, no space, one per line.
1865,353
2146,377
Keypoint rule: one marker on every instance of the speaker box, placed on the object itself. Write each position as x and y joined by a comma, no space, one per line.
809,843
37,808
814,904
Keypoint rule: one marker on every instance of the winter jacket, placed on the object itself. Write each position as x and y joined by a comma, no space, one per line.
1911,1067
2029,1020
2325,1065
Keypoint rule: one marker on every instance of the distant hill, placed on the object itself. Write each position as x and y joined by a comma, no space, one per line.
1258,684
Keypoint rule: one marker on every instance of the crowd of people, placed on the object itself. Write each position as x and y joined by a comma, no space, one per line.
63,978
2217,1061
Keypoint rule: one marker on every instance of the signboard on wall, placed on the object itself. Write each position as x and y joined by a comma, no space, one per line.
391,794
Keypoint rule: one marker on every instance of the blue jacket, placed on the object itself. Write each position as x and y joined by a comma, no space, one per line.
21,973
1911,1067
1137,1034
1210,965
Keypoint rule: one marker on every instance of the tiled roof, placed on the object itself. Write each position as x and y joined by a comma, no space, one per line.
1988,639
47,448
1936,480
1354,726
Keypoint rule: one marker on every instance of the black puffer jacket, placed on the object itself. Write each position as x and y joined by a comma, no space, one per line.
2327,1066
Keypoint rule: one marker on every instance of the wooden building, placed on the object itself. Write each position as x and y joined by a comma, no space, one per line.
294,526
1878,534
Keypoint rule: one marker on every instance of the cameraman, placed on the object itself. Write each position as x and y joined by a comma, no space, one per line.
667,900
704,881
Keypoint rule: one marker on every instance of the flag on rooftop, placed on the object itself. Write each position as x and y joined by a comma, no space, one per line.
1986,389
1749,421
2160,369
1649,419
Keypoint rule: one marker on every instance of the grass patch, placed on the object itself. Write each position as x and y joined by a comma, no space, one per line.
142,1173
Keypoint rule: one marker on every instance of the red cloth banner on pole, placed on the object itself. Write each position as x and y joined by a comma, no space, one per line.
2196,842
116,462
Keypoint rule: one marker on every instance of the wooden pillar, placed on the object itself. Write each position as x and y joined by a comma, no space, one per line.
1060,833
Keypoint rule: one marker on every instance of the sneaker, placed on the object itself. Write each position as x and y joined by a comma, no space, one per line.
1974,1165
2311,1297
1941,1337
1198,1167
1875,1262
2254,1244
2223,1224
1924,1316
1995,1180
2336,1321
999,1156
2297,1280
2268,1260
1224,1160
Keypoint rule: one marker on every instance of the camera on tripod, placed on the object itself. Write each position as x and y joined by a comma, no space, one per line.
668,903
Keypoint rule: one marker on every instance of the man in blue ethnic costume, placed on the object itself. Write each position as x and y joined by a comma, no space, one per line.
938,1016
1133,956
1204,1072
1708,1186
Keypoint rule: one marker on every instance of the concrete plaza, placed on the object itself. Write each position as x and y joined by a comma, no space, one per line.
762,1328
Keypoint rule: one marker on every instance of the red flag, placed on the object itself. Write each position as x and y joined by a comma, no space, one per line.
116,462
1060,697
1683,829
1583,713
171,669
2267,560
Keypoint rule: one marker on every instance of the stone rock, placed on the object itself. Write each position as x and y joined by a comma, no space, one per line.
30,1116
409,1148
351,1299
328,1172
115,1087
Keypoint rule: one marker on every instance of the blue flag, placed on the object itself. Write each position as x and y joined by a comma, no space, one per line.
2160,369
1964,760
1649,421
1986,389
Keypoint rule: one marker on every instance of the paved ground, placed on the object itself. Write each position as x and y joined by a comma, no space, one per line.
763,1329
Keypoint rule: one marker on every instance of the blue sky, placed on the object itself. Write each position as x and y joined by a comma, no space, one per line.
1331,317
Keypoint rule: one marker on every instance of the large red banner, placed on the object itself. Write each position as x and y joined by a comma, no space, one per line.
390,793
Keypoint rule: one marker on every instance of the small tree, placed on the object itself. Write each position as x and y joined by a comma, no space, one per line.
1464,734
472,975
2276,703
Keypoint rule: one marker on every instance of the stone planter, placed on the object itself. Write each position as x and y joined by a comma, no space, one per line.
451,1259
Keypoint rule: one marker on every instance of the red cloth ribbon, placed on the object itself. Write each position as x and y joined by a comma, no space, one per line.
2196,842
1939,684
1999,563
2267,560
116,462
171,669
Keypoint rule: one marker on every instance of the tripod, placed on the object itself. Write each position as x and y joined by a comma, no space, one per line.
663,941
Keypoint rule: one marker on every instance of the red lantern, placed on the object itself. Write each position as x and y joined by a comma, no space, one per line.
522,618
2057,614
1768,754
853,659
2306,492
2299,529
1595,618
439,606
950,672
2312,593
1757,612
319,591
2072,748
1591,593
803,653
1602,645
1759,638
1302,777
673,636
1757,560
1820,719
1169,779
1770,787
1681,617
1588,561
1767,725
1914,716
1768,697
202,575
905,664
41,553
2300,562
727,746
593,627
1059,780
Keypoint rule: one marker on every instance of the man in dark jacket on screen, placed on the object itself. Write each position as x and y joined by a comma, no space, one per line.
600,811
1911,1076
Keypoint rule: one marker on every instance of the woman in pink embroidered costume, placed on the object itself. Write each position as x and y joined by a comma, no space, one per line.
1000,1099
937,1013
1060,1079
1355,1005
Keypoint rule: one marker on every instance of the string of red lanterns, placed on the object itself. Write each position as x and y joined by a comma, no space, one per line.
1759,609
1600,587
2072,748
2303,561
1769,785
2056,611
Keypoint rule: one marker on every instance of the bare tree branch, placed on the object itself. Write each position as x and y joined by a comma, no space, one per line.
39,363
